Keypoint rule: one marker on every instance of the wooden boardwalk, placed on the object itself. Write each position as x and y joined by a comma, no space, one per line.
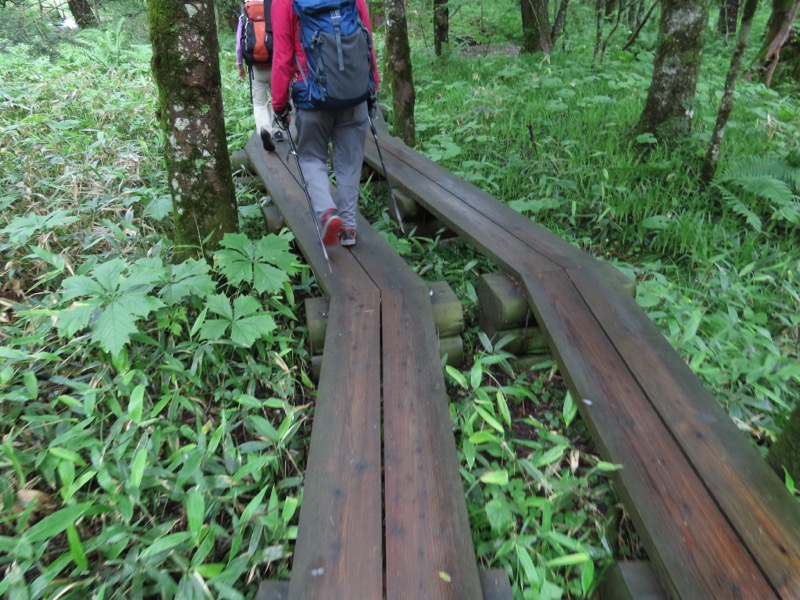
715,520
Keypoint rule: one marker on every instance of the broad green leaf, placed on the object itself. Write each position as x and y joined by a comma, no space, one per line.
189,278
253,506
166,543
527,565
247,330
552,455
76,549
570,409
136,404
114,328
220,305
137,468
56,523
456,376
494,423
71,320
495,477
214,329
578,558
195,511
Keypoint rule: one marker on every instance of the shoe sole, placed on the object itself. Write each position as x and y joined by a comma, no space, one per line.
348,243
330,230
266,141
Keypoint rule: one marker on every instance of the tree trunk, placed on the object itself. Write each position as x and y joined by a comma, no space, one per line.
82,13
376,14
186,71
728,17
399,70
669,108
536,31
726,106
785,452
228,12
779,28
441,25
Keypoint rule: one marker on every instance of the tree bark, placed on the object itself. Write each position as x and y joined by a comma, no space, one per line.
399,71
536,31
785,452
376,14
726,106
779,28
669,108
185,67
82,13
728,17
441,25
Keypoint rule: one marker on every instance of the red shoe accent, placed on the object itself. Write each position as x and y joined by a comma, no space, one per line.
330,224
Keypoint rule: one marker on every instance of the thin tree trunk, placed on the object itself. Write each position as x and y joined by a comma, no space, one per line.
669,108
376,15
728,17
82,13
779,28
726,106
441,25
399,71
186,70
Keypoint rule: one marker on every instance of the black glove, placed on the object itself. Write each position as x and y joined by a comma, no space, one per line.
282,117
372,104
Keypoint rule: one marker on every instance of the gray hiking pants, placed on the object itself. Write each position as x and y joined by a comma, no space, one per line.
347,130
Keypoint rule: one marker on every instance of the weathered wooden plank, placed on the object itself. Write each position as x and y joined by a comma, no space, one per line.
755,501
689,541
338,553
631,580
277,172
494,583
429,551
458,215
410,171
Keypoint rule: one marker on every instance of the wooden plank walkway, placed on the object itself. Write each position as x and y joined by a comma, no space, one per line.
405,535
716,521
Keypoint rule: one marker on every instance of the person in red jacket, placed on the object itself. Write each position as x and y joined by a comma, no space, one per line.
345,128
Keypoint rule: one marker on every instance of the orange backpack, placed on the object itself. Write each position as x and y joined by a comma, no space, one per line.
257,32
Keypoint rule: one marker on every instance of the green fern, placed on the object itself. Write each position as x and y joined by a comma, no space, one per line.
762,189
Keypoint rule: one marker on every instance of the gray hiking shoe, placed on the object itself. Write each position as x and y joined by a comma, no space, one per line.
347,237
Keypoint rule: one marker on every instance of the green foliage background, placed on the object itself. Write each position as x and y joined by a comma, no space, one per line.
154,417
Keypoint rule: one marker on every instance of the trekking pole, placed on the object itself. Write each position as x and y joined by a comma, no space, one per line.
395,208
293,150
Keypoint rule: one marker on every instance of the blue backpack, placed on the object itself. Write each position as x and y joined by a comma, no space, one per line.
338,51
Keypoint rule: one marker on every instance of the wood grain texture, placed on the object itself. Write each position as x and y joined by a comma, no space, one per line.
689,541
338,553
749,492
429,552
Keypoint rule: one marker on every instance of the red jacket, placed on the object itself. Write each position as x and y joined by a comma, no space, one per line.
286,44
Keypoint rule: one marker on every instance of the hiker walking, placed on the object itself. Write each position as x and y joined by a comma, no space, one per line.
325,62
254,49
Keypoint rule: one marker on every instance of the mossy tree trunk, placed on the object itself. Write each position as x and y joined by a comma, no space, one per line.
669,109
726,106
186,70
82,13
441,25
785,452
399,73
